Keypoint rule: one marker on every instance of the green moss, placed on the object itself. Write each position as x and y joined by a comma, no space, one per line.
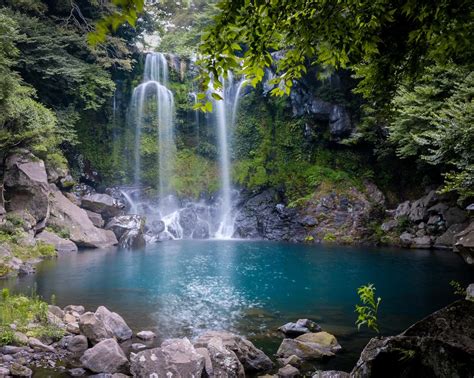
62,232
4,270
329,237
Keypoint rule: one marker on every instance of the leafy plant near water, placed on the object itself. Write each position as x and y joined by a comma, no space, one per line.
367,312
458,289
23,311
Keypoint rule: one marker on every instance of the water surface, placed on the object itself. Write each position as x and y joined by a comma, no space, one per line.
181,288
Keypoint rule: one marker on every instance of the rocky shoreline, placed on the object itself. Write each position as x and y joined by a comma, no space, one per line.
101,344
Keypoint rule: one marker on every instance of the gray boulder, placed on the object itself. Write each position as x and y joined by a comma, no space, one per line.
446,240
331,374
105,357
95,218
438,346
310,346
406,239
188,220
201,231
421,242
74,219
464,244
77,344
175,358
103,204
253,359
61,245
129,230
224,361
340,124
288,371
115,323
26,186
94,328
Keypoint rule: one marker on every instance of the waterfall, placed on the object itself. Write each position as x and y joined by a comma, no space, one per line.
225,115
152,102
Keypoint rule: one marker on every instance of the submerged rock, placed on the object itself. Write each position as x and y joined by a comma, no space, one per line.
438,346
105,357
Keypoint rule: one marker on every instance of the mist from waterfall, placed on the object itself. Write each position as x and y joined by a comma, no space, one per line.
153,102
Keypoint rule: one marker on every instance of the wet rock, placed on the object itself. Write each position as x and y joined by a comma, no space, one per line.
291,360
300,327
340,124
20,370
188,220
331,374
464,243
74,219
77,372
26,186
138,346
77,344
201,230
95,218
253,359
288,371
115,323
105,357
146,335
303,350
103,204
175,357
406,239
324,339
446,240
94,328
61,245
223,360
75,309
26,269
422,242
129,230
438,346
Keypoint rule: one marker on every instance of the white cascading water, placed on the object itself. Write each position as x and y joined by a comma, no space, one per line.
225,113
151,93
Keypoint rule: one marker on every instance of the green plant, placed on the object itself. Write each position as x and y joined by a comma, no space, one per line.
368,311
458,289
329,237
58,230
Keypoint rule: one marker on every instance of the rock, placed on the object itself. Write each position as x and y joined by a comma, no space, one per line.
303,350
446,240
406,239
201,230
77,372
300,327
288,371
61,245
57,311
175,358
331,374
26,268
421,242
94,328
389,225
138,346
324,339
253,359
188,220
224,361
291,360
54,320
95,218
26,186
438,346
39,346
18,370
10,349
21,338
73,328
208,368
105,357
77,344
129,230
103,204
454,215
70,318
464,244
4,372
403,210
146,335
470,293
74,219
115,323
75,308
340,124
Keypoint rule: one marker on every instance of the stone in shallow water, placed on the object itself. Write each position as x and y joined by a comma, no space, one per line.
322,338
288,371
303,350
20,370
146,335
105,357
138,346
78,372
301,327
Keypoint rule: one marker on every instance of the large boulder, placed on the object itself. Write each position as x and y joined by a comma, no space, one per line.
188,220
221,361
115,323
105,357
82,231
94,328
129,230
175,358
96,218
446,240
61,245
26,186
309,346
464,244
438,346
253,359
103,204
